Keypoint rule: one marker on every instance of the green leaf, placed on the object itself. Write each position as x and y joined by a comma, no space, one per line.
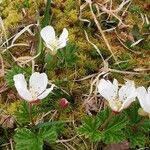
136,32
46,18
135,9
67,56
113,132
136,138
44,23
50,61
146,125
26,140
90,129
48,124
132,114
48,134
103,115
16,70
22,113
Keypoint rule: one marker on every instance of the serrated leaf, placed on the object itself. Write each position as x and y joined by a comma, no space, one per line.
90,129
67,56
146,125
136,138
103,115
50,124
113,132
132,114
22,114
48,134
26,140
16,70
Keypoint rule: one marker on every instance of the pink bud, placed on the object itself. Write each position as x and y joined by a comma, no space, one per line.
63,103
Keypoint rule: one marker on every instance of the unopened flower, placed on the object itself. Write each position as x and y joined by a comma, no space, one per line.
118,99
63,103
52,42
37,86
144,98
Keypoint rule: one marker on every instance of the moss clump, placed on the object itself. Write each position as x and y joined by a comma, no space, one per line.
12,107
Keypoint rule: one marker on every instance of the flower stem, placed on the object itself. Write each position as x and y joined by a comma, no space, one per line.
107,121
30,114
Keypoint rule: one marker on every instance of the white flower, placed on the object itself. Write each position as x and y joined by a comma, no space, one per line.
118,99
37,86
52,42
144,98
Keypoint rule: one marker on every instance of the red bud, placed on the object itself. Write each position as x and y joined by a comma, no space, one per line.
63,103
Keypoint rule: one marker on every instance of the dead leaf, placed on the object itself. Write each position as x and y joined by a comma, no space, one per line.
119,146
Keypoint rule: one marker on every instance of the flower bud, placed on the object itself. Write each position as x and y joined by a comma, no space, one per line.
63,103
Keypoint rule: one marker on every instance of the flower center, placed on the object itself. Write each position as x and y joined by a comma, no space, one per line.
54,44
33,93
116,104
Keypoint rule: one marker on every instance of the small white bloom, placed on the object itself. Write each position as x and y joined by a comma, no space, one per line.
118,99
52,42
37,86
144,98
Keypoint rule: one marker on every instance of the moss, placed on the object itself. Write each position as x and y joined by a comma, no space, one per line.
65,13
12,107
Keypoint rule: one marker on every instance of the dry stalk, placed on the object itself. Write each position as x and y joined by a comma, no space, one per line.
4,31
99,52
101,32
2,71
80,13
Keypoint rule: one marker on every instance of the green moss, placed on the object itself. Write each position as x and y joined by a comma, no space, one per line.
65,13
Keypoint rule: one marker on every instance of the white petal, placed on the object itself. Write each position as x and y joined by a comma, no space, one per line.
21,86
143,99
45,93
127,91
107,89
149,90
63,38
48,34
115,86
38,83
127,103
127,94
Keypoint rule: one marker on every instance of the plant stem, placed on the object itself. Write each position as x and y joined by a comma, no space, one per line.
107,120
30,114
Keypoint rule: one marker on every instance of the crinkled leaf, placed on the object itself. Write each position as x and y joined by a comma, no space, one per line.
113,132
132,114
26,140
67,56
136,138
16,70
22,114
90,129
146,125
103,115
48,134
